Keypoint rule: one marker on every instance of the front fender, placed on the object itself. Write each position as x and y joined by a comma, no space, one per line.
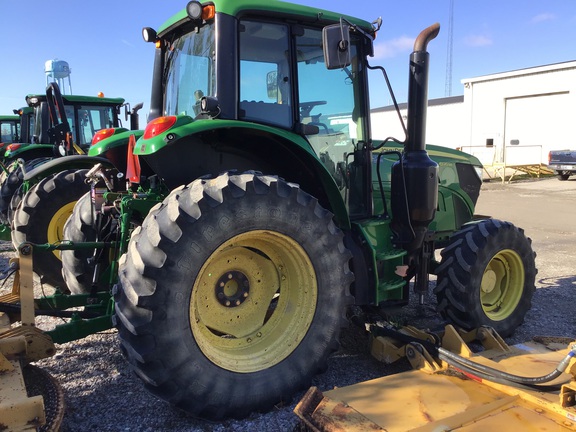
64,163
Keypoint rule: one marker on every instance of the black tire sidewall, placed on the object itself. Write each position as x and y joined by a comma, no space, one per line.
33,216
462,269
241,392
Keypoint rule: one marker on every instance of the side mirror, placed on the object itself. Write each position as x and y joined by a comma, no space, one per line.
336,46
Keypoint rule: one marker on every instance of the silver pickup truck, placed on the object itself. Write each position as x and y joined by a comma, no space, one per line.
563,162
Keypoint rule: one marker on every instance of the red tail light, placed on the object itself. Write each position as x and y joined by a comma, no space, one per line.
13,147
159,125
102,134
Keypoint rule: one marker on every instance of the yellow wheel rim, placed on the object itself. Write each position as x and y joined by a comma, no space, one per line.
56,226
502,285
253,301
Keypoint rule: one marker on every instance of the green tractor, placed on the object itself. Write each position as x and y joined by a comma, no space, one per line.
39,195
256,209
85,115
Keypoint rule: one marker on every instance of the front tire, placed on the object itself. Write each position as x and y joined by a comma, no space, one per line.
41,216
233,293
78,265
486,277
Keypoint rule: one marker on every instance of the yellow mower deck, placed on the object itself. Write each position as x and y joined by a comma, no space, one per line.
440,398
30,399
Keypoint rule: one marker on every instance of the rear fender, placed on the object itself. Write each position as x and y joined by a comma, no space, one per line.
192,148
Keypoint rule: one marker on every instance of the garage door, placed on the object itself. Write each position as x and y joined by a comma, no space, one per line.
534,125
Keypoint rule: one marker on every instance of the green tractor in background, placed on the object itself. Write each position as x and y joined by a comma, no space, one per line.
39,194
256,209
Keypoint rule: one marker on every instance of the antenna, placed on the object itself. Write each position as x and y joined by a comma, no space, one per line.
448,84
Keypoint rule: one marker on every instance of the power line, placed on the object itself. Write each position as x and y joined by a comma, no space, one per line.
448,84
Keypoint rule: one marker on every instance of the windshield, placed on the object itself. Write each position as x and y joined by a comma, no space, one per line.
189,71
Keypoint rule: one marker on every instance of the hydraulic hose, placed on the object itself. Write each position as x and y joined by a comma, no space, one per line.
490,373
482,371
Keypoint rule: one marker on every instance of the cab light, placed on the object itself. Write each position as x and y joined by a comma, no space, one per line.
208,12
159,125
100,94
102,134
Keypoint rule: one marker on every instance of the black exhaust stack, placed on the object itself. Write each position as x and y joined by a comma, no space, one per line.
415,175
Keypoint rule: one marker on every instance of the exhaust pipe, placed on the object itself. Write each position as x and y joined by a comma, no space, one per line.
415,175
418,90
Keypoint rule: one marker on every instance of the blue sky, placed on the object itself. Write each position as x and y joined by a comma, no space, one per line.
102,42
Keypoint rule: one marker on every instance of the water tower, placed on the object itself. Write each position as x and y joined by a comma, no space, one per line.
56,71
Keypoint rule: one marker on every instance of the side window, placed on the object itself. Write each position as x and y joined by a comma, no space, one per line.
330,100
265,79
326,97
93,118
71,120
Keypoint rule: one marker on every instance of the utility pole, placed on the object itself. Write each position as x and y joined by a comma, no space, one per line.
448,84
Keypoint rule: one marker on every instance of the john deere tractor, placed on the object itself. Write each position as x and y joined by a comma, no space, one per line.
256,208
38,196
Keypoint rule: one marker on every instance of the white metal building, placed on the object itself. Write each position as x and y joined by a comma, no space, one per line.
511,118
445,113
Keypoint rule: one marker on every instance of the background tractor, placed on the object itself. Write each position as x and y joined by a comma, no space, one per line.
256,209
39,194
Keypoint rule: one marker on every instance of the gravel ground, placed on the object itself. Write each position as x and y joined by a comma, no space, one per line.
102,394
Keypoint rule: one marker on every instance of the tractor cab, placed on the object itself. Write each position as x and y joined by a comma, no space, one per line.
9,128
274,94
86,115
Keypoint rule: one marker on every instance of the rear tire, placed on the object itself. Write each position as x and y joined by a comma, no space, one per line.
232,294
11,184
486,277
41,216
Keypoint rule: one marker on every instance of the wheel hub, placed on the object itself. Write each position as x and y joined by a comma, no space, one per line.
232,289
489,281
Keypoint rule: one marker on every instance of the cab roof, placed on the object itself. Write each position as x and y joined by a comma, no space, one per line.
75,99
271,8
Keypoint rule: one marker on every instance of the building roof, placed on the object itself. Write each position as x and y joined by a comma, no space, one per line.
432,102
521,72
